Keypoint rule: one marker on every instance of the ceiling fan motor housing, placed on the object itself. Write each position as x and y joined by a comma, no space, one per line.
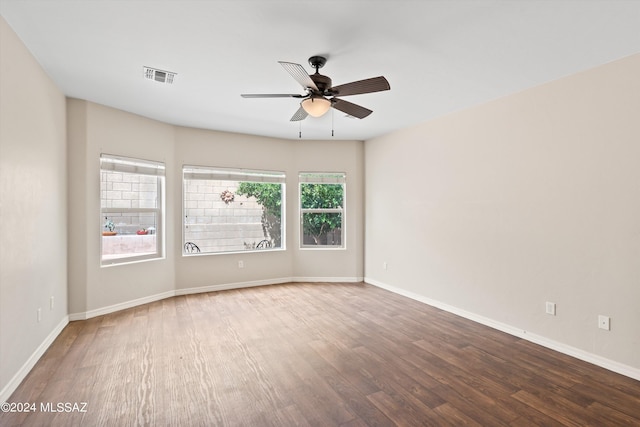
323,82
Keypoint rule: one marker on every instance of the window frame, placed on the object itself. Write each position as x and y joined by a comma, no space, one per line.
323,178
239,175
117,163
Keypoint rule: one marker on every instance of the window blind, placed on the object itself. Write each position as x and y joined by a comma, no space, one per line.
123,164
196,172
323,178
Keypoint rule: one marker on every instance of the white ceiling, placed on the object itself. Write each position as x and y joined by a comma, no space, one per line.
439,56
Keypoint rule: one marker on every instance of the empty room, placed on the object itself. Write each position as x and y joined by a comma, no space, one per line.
315,212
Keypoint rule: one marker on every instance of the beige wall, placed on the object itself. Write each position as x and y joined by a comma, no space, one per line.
531,198
33,224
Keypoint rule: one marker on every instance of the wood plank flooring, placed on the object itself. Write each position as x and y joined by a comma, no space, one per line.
311,354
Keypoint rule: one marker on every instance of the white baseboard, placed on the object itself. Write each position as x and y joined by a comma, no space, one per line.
603,362
327,279
266,282
8,390
120,306
229,286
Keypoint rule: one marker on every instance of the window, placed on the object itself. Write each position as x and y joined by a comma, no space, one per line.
131,212
228,210
322,210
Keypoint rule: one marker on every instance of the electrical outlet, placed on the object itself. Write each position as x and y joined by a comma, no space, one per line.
550,308
604,322
240,264
384,265
51,303
39,315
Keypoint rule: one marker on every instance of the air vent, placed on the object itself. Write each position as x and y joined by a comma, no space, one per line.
160,76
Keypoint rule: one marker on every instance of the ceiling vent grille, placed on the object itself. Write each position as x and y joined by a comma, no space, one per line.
160,76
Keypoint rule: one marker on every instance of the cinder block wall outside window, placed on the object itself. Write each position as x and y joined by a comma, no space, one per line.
214,225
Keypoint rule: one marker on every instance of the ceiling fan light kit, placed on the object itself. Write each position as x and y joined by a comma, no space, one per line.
316,106
321,95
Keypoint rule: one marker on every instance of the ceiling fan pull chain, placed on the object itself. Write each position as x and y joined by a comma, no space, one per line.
332,123
300,129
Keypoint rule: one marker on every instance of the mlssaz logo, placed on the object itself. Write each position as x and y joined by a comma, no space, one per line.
63,407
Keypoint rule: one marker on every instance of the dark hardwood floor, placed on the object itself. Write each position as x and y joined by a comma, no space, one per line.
311,354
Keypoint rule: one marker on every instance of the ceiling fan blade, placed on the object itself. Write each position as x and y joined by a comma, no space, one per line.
375,84
272,95
299,115
298,72
350,108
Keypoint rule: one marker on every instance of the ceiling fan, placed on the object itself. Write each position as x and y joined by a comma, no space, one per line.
321,96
